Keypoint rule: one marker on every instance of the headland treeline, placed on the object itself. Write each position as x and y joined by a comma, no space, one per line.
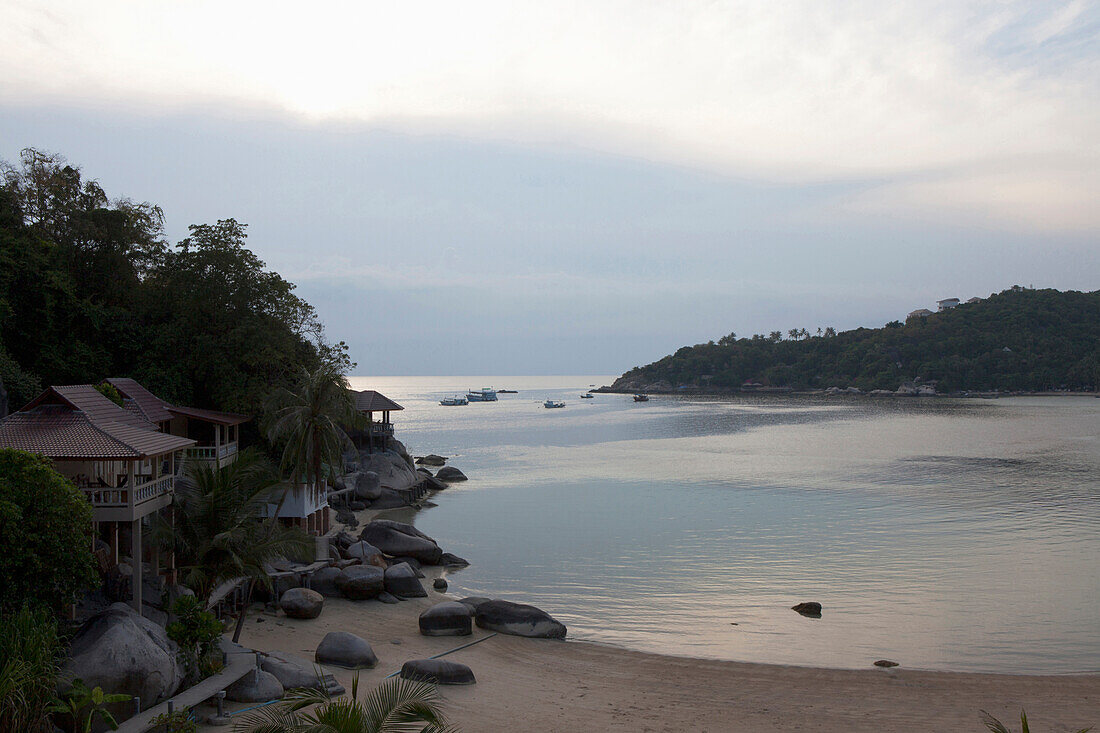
1019,340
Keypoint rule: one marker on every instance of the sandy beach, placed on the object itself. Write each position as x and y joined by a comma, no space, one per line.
545,685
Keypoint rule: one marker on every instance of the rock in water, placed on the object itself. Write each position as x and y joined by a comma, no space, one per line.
519,620
343,649
431,460
438,671
885,663
302,603
440,584
450,473
395,538
256,686
122,652
809,608
401,581
449,560
362,582
450,618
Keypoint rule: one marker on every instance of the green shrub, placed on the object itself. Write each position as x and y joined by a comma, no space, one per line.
196,631
30,657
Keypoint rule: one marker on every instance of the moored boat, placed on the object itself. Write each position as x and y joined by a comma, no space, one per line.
587,396
485,394
549,404
641,398
452,401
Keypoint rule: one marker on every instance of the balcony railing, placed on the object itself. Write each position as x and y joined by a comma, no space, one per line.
381,428
211,453
125,496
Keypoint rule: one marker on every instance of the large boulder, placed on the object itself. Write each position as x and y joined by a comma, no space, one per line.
519,620
256,686
123,653
327,581
431,460
343,649
302,603
450,474
401,581
412,563
367,485
396,538
393,469
474,602
361,582
365,552
291,671
448,560
449,618
437,671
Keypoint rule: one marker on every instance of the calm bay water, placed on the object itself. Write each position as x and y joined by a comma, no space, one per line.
943,534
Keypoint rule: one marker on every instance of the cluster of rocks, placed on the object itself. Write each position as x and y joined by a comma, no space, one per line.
456,618
386,480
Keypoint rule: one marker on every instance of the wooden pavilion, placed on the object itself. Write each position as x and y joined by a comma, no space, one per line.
375,433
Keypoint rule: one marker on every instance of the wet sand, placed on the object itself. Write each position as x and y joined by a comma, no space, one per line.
546,685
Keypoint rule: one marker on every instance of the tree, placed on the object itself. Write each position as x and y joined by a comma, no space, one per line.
45,534
217,532
395,706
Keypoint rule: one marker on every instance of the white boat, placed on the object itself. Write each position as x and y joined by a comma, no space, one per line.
452,401
587,396
641,398
485,394
553,403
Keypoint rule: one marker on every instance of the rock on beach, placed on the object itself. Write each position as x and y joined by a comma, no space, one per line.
518,619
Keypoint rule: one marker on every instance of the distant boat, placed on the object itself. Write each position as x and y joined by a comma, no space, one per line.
452,401
485,394
549,404
587,396
507,391
641,398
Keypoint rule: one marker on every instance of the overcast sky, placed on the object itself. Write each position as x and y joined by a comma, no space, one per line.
556,188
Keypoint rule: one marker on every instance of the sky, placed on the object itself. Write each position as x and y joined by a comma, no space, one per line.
583,187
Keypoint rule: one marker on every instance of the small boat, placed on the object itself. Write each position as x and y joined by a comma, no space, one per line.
506,391
452,401
587,396
549,404
641,398
485,394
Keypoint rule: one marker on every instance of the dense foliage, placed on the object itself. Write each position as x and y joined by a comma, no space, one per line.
45,534
89,289
1019,339
30,660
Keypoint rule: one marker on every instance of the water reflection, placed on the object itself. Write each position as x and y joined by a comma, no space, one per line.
944,534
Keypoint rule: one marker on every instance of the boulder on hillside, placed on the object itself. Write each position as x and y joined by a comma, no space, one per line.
256,686
122,652
327,581
302,603
367,485
396,538
519,620
431,460
362,582
450,474
401,581
344,649
438,671
449,618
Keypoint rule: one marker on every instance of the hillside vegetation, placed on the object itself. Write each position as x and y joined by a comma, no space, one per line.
1016,340
89,289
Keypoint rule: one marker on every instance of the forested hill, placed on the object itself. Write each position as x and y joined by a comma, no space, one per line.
89,289
1017,340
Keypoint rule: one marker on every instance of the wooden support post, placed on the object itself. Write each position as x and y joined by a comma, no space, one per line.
135,552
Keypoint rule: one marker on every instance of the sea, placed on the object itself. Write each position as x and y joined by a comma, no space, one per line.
943,534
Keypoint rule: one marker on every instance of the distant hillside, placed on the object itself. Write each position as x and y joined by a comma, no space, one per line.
1026,340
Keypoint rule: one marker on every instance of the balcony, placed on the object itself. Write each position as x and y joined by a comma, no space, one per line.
381,428
212,453
125,501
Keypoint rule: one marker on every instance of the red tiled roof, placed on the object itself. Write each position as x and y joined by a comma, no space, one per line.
61,432
370,401
214,416
90,401
151,407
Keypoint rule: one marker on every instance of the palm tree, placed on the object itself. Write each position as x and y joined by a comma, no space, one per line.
395,706
308,422
216,530
997,726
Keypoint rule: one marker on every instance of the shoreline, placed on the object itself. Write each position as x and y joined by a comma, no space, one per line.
551,685
783,392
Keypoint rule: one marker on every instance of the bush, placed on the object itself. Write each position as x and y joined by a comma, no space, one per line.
30,657
45,534
196,631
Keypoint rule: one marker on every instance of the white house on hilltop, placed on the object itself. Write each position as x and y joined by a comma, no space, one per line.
947,304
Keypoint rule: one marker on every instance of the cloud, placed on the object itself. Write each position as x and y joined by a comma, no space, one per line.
795,92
